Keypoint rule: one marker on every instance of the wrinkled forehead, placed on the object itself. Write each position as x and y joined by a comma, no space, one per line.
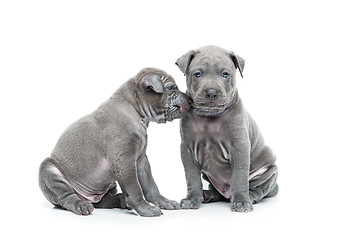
213,60
166,79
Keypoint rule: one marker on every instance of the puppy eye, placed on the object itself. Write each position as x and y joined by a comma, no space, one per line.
198,74
171,87
225,74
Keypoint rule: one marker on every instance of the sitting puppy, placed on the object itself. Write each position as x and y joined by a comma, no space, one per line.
109,145
219,137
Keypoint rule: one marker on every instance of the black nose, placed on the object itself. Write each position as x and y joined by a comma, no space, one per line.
211,94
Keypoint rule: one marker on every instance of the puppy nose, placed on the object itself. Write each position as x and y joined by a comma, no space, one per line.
211,94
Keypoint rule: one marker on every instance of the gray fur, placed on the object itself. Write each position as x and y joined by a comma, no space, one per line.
108,146
219,138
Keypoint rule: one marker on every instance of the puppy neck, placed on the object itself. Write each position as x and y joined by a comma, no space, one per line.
145,109
127,94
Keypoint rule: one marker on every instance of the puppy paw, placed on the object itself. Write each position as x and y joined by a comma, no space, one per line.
82,207
147,210
167,204
238,206
208,196
190,203
212,196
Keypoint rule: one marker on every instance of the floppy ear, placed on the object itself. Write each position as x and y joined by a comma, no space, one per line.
238,62
151,82
184,61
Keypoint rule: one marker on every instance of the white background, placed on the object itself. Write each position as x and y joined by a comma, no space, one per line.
59,60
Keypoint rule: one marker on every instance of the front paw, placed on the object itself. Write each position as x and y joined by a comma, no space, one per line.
190,203
238,206
147,210
165,203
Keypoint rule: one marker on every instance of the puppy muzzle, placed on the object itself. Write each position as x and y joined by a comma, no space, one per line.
179,104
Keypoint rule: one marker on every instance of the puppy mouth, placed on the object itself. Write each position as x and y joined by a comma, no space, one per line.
209,105
208,108
182,108
179,105
212,107
176,111
184,105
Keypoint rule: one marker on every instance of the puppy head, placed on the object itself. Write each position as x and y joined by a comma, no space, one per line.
159,98
210,75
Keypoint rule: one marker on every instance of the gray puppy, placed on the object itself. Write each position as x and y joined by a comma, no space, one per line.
219,137
109,145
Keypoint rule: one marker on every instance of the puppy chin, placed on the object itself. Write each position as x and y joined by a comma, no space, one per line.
161,120
208,111
176,115
204,107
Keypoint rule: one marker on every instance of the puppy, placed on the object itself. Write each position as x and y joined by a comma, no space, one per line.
109,146
219,137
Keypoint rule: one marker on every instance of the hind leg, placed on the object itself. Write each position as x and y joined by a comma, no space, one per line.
59,191
264,185
112,199
212,195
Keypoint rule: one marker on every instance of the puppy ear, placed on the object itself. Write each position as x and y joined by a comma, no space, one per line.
184,61
238,62
152,82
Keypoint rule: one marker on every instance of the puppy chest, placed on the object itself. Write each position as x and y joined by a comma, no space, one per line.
211,153
205,129
213,157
